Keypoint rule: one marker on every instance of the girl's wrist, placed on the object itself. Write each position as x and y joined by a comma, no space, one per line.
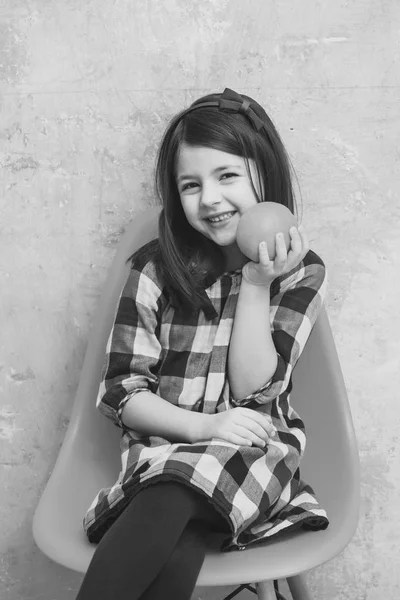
249,281
202,427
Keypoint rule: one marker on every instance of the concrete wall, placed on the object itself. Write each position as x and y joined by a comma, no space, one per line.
86,88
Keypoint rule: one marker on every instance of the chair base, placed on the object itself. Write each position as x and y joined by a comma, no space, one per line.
299,588
268,590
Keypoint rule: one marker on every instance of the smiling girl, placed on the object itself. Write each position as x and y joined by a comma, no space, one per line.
198,371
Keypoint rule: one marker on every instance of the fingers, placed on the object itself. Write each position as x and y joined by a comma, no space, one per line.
296,242
262,419
282,254
299,244
269,427
260,427
280,247
263,425
304,239
263,254
249,427
249,435
280,250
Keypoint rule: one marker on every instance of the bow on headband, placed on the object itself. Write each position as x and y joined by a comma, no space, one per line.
232,102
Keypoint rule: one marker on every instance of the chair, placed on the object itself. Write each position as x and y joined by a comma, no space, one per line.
89,459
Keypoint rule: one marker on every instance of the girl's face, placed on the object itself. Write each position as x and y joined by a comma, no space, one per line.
215,190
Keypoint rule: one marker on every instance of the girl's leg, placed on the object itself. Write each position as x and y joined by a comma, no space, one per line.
138,545
178,577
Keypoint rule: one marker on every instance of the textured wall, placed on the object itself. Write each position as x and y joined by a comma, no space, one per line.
86,88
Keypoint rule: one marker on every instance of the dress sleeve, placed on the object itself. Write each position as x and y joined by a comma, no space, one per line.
133,350
294,309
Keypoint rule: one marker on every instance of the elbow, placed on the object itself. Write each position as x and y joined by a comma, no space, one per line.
111,405
278,383
110,413
250,385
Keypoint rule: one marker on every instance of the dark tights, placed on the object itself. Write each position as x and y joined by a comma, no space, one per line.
155,549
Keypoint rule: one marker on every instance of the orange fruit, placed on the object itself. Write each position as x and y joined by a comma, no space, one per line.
261,223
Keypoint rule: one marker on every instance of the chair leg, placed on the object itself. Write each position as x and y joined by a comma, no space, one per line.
265,590
299,588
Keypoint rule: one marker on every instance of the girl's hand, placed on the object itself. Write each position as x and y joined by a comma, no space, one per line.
265,271
242,426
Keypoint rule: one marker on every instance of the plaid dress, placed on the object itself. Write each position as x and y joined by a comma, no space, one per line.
258,491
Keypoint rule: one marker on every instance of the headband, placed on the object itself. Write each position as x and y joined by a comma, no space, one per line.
231,101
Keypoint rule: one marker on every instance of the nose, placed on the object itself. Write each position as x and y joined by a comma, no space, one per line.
210,195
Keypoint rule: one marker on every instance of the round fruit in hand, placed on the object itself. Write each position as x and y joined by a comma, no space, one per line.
261,223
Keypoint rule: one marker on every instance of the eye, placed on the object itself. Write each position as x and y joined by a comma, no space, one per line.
188,186
228,175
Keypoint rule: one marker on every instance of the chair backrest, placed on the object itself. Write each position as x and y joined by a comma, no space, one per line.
88,428
90,459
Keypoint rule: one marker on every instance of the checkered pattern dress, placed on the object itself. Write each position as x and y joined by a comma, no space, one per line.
258,491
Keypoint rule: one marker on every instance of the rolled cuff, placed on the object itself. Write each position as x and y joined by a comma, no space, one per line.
115,414
123,403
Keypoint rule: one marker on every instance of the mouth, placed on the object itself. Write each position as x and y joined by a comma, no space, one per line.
221,218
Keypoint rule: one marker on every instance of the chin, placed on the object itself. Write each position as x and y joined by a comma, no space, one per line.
229,243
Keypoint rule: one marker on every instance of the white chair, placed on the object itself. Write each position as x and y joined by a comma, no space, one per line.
89,458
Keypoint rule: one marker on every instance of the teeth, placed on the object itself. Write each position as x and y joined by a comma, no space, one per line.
221,217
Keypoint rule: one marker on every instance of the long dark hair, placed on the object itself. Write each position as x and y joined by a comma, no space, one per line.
188,261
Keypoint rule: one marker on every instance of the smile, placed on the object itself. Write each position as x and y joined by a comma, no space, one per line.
220,218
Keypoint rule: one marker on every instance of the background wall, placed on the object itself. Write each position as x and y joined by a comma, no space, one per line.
86,89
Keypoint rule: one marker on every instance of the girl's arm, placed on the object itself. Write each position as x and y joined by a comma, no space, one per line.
252,356
134,353
148,414
294,305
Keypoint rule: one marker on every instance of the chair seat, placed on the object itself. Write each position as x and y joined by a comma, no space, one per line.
59,533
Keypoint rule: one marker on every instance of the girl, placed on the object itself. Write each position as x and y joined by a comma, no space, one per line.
199,364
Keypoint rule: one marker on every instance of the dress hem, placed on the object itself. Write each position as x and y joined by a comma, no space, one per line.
100,525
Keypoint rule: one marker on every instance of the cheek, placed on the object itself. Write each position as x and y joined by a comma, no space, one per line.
189,212
245,192
248,197
185,207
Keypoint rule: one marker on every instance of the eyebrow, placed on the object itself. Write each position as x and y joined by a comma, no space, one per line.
217,170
